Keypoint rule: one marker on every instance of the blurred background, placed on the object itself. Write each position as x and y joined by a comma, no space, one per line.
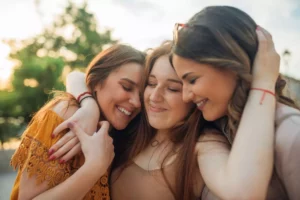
41,41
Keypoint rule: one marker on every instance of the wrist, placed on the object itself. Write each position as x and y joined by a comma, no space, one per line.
91,105
95,166
264,84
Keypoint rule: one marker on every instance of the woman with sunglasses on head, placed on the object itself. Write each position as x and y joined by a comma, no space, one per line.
119,69
161,162
215,55
230,71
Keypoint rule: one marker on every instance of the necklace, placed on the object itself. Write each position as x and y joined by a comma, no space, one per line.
155,143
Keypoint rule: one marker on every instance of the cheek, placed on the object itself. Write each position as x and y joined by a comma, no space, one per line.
179,105
203,88
120,96
227,89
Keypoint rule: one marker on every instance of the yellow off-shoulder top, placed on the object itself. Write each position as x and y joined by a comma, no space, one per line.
32,156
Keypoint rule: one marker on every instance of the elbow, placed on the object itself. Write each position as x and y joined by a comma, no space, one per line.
74,74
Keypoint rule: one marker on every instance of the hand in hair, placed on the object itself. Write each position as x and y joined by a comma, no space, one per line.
267,61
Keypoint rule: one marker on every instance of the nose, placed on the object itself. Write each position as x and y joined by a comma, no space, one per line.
135,100
156,95
187,94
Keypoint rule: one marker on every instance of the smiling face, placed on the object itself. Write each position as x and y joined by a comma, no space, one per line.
163,96
119,95
211,89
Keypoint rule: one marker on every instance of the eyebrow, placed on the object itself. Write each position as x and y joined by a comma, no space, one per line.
185,75
130,81
174,80
169,79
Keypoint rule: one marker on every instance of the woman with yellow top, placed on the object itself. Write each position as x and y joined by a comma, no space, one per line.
216,55
113,78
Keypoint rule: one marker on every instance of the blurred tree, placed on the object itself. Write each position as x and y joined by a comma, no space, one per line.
9,120
70,42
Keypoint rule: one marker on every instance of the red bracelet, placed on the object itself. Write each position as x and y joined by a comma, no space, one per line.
264,94
81,95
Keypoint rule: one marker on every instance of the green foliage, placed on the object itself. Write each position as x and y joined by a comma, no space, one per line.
72,40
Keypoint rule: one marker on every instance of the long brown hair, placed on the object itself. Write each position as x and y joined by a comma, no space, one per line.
98,70
225,38
184,135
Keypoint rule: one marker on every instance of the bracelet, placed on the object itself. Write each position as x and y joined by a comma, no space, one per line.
82,94
264,94
85,98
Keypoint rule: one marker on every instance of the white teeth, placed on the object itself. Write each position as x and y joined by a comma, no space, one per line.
124,111
201,103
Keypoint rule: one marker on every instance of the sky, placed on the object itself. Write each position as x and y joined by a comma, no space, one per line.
146,23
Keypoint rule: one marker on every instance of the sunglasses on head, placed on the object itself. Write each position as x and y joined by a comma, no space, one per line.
177,28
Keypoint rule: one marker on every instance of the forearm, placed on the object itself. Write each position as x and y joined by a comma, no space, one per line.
250,162
75,83
76,186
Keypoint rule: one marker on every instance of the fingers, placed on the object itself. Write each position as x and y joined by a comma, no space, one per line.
262,40
73,152
77,131
104,127
103,132
265,39
270,44
266,33
60,128
65,149
61,142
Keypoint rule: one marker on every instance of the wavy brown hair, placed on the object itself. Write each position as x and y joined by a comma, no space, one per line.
184,136
225,38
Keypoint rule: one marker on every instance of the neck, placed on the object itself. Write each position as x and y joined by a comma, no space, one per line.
162,135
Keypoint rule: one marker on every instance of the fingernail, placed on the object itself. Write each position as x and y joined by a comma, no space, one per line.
51,151
52,157
62,161
52,135
70,125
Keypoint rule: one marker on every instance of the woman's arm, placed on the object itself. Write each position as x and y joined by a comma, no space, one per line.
75,85
244,171
75,187
98,152
87,117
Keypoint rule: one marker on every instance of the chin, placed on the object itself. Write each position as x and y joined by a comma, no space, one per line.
209,118
155,125
119,127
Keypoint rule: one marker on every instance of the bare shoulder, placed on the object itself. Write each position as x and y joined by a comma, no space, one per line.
65,109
